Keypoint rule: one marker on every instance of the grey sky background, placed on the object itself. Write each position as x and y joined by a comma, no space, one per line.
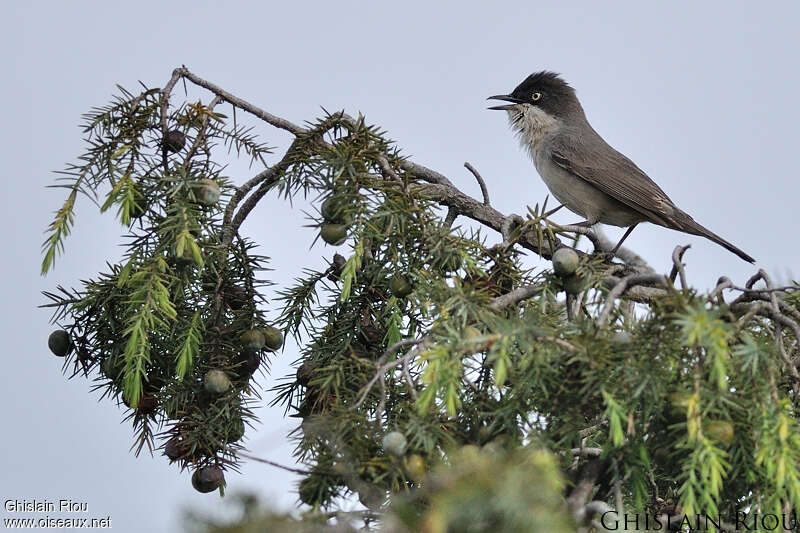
702,96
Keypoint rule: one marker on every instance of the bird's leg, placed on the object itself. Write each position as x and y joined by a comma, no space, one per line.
628,232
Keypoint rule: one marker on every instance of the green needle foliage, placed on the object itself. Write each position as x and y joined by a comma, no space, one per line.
516,413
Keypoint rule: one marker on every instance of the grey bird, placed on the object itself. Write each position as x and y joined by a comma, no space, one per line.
582,171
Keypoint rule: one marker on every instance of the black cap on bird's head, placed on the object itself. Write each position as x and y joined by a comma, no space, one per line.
546,90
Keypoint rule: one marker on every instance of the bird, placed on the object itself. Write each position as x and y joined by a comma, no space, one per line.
582,171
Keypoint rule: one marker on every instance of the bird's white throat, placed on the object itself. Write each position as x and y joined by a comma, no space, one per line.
532,125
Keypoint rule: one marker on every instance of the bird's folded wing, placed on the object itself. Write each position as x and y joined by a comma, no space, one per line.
614,174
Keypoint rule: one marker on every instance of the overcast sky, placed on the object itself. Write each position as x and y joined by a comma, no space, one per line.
702,96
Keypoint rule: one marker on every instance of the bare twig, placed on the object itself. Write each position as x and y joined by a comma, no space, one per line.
677,265
722,283
451,217
751,295
484,190
266,180
396,347
409,381
387,170
382,401
786,288
766,309
570,305
762,274
383,366
514,297
269,118
587,452
276,465
619,290
636,293
776,306
165,93
425,173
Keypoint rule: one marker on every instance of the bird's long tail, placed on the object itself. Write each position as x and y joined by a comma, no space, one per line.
687,224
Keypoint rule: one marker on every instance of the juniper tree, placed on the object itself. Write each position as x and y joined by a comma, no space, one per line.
440,382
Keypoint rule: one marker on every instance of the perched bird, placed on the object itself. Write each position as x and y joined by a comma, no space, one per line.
582,171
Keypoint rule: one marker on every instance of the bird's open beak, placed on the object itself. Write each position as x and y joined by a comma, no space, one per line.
505,98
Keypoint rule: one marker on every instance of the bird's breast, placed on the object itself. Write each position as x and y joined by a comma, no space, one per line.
532,125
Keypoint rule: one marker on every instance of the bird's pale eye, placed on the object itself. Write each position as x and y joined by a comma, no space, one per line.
536,96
